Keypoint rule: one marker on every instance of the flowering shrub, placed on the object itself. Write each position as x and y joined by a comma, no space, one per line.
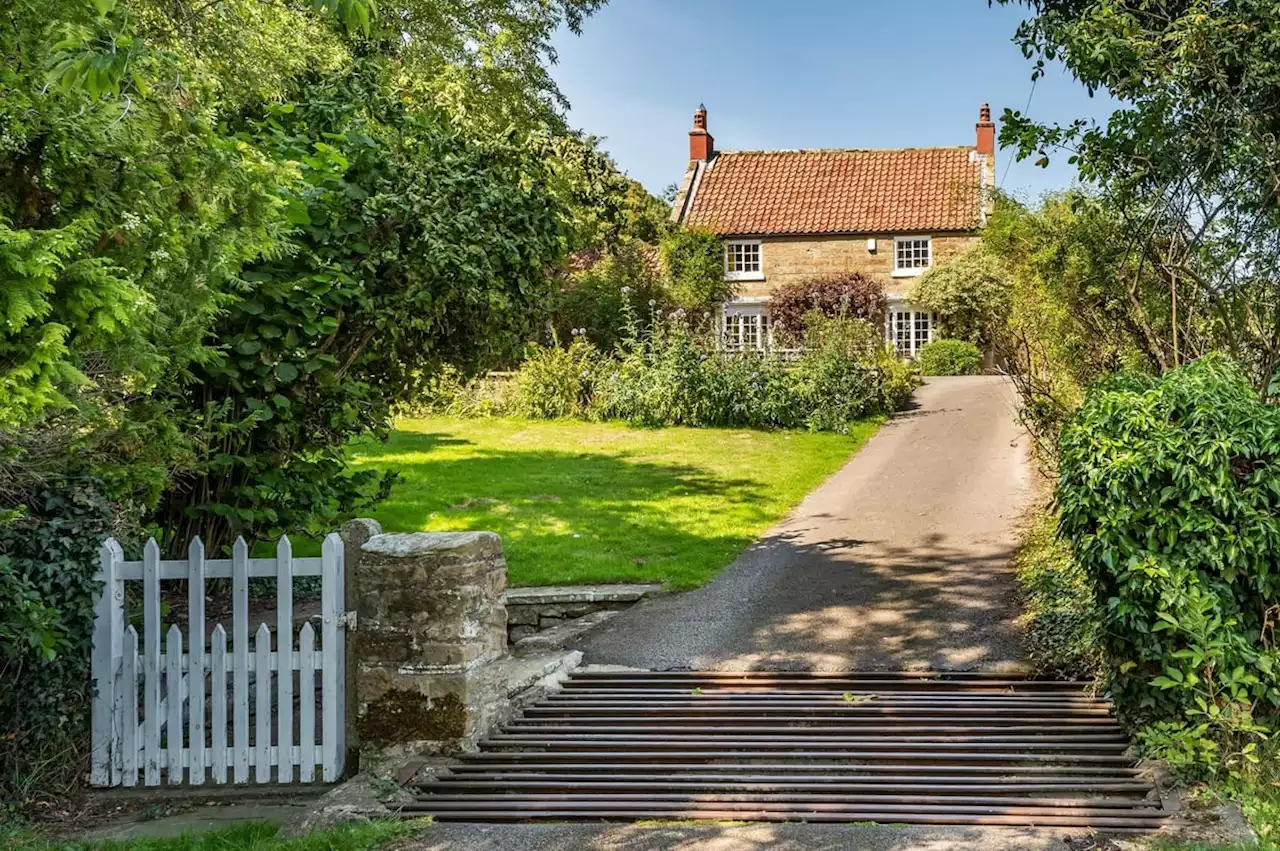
674,375
668,371
848,295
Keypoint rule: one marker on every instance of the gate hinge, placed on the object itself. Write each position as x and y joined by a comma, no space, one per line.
348,621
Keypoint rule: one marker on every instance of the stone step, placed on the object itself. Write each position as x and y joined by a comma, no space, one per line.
531,676
558,636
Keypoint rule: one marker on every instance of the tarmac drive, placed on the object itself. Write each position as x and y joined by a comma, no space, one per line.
901,560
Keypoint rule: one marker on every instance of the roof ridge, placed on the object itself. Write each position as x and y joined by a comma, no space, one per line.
848,150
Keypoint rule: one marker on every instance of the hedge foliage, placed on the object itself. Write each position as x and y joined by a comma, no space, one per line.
1170,496
46,635
949,357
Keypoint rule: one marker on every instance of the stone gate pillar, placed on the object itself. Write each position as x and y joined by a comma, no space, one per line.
431,637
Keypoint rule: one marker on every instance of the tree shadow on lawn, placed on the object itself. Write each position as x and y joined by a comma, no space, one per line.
570,517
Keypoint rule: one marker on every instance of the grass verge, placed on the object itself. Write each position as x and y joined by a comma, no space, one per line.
580,502
251,836
1060,615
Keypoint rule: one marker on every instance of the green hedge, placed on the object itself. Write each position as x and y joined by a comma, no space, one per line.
949,357
1170,496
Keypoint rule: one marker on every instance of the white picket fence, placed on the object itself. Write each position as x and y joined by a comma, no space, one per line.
192,722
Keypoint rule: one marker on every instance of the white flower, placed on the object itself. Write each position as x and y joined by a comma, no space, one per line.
625,289
131,221
159,255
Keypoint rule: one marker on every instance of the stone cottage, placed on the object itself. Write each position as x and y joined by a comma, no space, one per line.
800,214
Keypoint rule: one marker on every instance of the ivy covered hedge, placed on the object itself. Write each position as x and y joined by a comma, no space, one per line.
1169,494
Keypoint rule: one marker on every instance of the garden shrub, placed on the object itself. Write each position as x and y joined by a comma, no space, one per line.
592,296
672,374
844,373
849,295
1170,496
971,295
555,382
949,357
694,259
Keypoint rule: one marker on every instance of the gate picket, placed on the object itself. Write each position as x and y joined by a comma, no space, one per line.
284,656
129,715
240,656
151,644
218,736
195,659
262,706
307,703
173,689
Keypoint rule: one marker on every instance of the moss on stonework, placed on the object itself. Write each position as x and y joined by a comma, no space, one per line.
400,715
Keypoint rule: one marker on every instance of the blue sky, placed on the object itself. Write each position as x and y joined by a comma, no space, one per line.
806,74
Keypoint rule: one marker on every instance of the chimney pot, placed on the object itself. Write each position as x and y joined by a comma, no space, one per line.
701,144
986,132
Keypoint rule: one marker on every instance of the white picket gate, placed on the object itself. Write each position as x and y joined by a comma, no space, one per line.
179,730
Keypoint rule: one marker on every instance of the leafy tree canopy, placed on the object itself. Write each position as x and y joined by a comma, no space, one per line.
1188,163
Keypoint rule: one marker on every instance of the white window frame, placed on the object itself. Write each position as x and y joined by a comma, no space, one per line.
912,271
756,317
902,331
756,274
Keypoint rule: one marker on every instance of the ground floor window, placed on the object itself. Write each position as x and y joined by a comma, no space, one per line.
745,327
908,329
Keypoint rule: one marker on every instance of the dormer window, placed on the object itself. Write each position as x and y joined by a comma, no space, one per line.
742,260
912,255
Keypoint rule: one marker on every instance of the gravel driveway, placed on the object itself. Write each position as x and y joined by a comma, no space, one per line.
901,560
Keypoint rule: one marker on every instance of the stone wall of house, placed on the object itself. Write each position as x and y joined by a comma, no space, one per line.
785,259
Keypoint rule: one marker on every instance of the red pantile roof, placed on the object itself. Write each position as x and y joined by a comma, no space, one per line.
839,191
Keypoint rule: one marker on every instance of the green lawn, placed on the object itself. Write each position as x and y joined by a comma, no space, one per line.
591,502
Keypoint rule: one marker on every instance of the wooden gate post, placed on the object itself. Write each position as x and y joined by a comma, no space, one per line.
108,649
432,637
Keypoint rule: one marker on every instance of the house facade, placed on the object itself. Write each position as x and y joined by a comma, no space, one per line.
803,214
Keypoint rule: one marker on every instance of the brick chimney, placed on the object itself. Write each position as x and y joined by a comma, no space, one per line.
986,132
701,143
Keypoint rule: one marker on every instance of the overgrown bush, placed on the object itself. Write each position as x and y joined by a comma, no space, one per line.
694,259
846,373
592,296
1170,497
450,393
555,382
949,357
971,295
674,375
849,295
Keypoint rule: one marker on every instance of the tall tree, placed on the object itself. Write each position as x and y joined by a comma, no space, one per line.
1189,160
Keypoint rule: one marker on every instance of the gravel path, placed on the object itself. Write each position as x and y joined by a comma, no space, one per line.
901,560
